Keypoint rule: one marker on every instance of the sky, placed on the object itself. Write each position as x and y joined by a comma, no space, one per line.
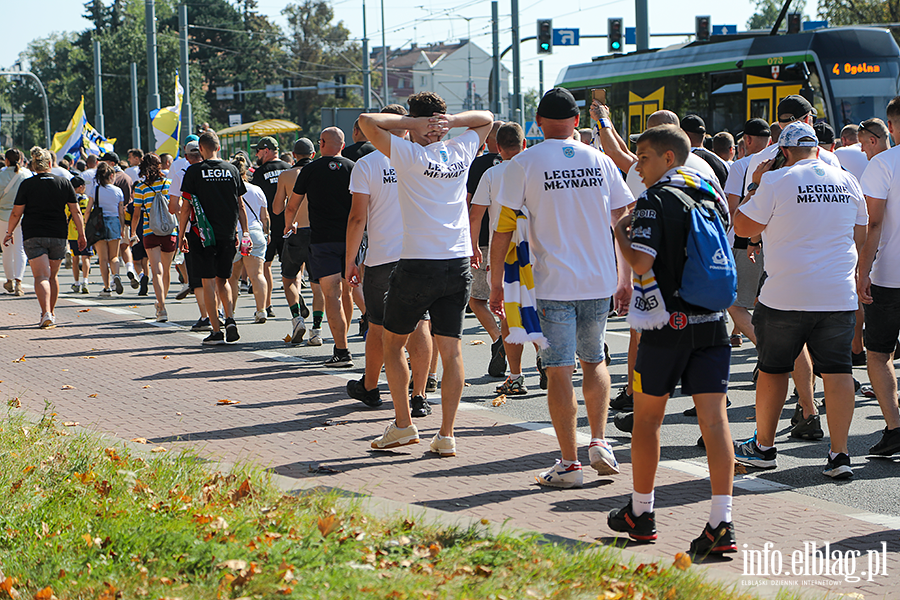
424,21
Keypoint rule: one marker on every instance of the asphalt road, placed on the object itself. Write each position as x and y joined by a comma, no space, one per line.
874,488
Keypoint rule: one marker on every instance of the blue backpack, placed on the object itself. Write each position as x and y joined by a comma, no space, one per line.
709,279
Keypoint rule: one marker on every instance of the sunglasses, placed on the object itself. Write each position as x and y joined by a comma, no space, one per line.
862,127
791,119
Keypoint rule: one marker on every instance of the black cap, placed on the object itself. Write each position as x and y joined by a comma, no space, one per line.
693,124
796,106
77,181
824,132
304,146
558,103
111,157
757,127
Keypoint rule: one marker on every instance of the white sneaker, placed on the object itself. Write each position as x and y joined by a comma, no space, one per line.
556,476
444,446
602,458
315,338
161,315
393,437
76,288
299,329
48,321
259,316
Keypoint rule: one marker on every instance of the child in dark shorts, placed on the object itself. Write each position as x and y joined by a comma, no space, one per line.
81,259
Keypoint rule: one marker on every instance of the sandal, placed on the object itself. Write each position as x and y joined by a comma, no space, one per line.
736,340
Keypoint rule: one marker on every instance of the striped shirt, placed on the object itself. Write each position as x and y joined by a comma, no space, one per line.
143,199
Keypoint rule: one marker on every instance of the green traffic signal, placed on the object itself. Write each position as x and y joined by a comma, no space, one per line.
616,45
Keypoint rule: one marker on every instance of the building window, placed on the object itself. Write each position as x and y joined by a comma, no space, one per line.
423,80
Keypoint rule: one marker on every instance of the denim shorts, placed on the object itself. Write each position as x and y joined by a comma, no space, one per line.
54,248
573,327
882,319
258,239
781,334
440,287
113,228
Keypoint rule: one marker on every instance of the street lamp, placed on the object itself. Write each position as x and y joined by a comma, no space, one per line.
43,96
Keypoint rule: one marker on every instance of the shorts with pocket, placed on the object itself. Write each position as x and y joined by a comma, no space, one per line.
658,369
781,334
36,247
573,328
213,261
294,253
439,287
375,286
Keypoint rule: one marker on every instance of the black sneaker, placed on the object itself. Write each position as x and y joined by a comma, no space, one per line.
270,312
216,338
418,407
543,373
231,332
748,454
202,325
363,326
431,385
606,357
497,366
117,284
304,310
889,444
133,280
692,411
624,402
642,528
345,361
858,359
798,414
145,282
808,429
714,540
838,467
358,391
624,421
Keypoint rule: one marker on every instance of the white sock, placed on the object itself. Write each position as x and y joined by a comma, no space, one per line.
433,375
129,267
720,511
641,503
763,448
599,441
78,282
833,455
514,375
568,463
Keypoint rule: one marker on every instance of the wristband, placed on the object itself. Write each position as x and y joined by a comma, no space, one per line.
605,123
755,244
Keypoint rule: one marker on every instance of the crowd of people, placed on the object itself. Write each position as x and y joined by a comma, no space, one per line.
542,244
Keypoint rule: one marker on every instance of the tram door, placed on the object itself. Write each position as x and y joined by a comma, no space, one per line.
764,94
641,108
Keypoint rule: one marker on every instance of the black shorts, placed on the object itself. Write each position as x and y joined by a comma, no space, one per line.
138,252
190,262
327,259
276,244
440,287
658,369
73,246
882,319
781,334
294,253
375,287
213,261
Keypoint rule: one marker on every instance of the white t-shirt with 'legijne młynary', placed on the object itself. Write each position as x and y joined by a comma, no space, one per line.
488,194
810,210
374,175
569,189
881,180
431,183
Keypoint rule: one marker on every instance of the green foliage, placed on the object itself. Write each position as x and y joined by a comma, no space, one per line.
854,12
767,12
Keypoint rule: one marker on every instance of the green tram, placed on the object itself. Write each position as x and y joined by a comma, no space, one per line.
849,74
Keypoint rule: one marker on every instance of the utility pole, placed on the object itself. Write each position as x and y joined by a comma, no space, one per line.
541,78
152,82
367,73
470,94
98,90
516,109
642,25
187,114
385,100
135,110
495,38
43,96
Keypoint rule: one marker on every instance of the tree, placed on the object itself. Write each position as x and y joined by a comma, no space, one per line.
854,12
767,12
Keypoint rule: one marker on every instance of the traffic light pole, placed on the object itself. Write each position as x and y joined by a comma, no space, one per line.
516,111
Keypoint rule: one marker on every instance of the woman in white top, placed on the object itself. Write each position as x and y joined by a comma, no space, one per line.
14,258
258,225
111,201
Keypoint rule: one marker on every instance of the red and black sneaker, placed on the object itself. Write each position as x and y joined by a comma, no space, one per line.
642,528
714,540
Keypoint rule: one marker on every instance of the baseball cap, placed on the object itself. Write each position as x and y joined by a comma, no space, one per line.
110,157
693,124
192,147
558,103
757,127
796,106
304,146
77,181
69,157
266,143
191,138
798,134
824,132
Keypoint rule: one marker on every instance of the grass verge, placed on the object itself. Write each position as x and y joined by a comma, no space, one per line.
81,519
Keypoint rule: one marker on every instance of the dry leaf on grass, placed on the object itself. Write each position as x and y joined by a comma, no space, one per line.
44,594
71,424
15,403
499,400
85,310
227,402
22,359
476,343
139,440
682,561
233,564
328,525
158,449
671,594
241,492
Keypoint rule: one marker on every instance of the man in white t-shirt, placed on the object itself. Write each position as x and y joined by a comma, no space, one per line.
573,193
433,273
874,137
851,153
879,280
135,155
812,218
376,208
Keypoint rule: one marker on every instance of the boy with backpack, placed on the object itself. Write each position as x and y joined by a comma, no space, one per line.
674,241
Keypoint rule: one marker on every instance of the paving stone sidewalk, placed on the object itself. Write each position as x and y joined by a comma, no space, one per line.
131,378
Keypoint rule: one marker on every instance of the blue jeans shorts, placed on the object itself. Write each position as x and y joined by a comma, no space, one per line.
113,228
573,327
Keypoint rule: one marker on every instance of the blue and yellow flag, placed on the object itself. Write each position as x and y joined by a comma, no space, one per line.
167,123
79,134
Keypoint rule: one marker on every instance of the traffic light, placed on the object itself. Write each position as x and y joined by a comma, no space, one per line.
286,85
545,36
614,31
793,22
238,96
340,92
701,28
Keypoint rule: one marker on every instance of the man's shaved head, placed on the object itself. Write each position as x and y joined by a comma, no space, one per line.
663,117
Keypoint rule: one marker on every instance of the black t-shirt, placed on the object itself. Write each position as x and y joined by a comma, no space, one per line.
266,177
326,184
479,165
356,151
45,197
659,224
716,163
217,185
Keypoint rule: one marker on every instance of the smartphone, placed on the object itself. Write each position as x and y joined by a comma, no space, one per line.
780,159
599,94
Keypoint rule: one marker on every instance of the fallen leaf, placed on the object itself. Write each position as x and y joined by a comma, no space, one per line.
85,310
3,335
682,561
467,384
109,593
328,525
227,402
739,469
90,357
28,469
113,454
287,339
476,343
499,400
145,387
670,595
139,440
71,424
85,477
178,414
22,359
15,487
44,594
67,387
15,403
158,449
92,395
103,488
234,564
241,492
485,522
7,586
165,357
